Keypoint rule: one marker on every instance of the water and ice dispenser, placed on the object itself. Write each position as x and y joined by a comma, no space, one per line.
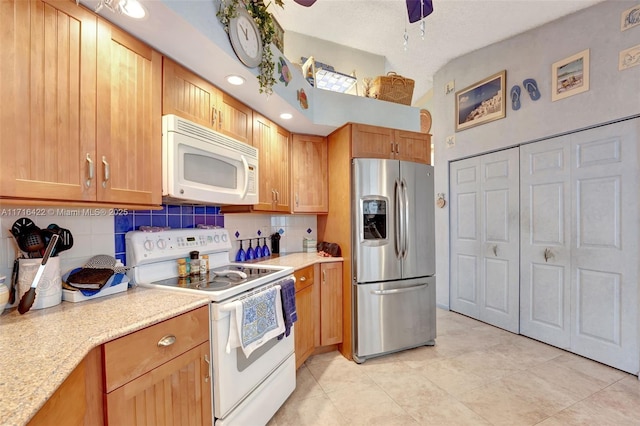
374,219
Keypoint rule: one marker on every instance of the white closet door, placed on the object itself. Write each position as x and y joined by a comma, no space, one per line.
604,250
485,238
465,236
545,271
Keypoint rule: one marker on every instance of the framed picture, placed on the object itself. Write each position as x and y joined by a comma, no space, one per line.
482,102
278,36
630,18
570,76
629,58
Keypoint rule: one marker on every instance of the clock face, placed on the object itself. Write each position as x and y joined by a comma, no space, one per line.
245,39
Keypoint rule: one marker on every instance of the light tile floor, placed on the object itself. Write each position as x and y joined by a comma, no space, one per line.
475,375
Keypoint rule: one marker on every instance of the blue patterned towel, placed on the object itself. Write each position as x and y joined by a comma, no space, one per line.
288,294
260,319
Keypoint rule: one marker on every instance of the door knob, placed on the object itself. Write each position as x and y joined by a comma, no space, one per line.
495,249
548,254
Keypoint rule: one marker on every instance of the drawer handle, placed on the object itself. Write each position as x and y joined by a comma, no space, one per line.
303,279
398,290
167,340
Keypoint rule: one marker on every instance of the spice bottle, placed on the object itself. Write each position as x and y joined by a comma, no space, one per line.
195,263
182,268
204,264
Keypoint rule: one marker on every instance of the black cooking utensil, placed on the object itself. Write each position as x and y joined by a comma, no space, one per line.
27,299
14,281
28,235
66,239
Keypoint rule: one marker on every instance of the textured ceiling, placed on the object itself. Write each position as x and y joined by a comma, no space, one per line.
455,27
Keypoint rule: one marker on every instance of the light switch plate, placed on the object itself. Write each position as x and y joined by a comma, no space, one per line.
449,87
450,141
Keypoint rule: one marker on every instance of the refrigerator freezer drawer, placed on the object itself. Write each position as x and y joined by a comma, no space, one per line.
395,315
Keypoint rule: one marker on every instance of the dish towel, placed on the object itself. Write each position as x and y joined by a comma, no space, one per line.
257,319
288,294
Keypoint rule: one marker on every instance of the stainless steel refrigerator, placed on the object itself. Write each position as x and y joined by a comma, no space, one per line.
393,259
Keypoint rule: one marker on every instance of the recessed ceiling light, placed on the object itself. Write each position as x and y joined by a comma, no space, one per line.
133,9
286,116
236,80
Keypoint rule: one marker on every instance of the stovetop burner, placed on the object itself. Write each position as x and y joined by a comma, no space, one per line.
220,278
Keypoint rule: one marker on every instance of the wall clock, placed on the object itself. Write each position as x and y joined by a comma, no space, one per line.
245,38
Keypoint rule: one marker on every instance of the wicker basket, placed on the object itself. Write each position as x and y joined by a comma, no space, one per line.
393,88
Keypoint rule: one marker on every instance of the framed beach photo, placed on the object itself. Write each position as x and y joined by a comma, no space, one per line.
481,102
570,76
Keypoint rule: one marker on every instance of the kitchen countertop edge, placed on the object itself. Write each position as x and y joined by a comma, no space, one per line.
299,260
86,325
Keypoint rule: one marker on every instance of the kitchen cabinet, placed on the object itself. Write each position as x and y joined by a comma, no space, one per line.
78,400
381,142
191,97
309,190
304,326
273,143
81,110
166,379
328,329
129,129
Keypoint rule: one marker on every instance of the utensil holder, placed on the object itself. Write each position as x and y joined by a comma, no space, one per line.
49,290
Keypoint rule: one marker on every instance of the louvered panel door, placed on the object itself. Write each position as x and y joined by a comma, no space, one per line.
545,269
47,114
604,250
129,119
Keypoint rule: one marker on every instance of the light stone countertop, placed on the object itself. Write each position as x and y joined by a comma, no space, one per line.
299,260
39,349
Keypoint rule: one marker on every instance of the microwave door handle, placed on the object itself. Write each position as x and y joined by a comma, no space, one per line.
246,176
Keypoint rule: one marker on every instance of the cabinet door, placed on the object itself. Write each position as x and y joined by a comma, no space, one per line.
304,326
330,303
280,169
235,119
372,142
263,135
309,174
129,145
47,113
187,95
177,392
412,146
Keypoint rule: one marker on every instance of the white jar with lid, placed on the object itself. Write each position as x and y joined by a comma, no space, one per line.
4,293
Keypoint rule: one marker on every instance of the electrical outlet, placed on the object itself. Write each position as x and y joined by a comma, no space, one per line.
449,87
450,141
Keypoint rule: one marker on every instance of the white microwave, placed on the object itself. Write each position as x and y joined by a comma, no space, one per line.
200,165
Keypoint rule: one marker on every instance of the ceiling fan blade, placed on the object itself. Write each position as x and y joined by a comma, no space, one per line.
305,3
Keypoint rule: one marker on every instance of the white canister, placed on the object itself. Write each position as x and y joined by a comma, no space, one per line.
49,290
4,294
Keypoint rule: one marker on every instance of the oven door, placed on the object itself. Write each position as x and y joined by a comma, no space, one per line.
196,169
235,376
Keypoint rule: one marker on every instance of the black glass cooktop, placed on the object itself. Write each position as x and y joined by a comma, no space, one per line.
220,278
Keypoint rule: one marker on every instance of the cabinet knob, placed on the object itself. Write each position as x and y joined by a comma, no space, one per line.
303,279
167,340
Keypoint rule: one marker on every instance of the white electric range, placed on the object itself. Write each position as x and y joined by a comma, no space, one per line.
246,390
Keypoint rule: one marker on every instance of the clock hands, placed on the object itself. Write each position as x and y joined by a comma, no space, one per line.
246,32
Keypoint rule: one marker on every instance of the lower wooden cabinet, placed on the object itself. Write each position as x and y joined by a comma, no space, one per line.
304,327
177,392
329,331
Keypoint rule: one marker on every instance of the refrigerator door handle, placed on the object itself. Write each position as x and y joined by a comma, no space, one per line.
398,290
398,222
405,212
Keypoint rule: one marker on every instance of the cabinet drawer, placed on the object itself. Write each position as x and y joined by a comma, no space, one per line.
132,355
304,277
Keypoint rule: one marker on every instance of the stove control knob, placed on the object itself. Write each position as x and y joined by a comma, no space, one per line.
148,245
162,244
216,238
224,238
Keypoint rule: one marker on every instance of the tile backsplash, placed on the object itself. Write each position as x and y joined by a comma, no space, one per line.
104,233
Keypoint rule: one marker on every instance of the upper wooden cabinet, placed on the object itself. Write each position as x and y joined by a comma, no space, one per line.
129,136
191,97
80,117
272,142
382,142
309,188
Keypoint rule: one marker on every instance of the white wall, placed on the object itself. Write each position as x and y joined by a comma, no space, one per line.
613,94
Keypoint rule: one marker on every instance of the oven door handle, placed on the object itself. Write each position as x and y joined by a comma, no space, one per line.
246,177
